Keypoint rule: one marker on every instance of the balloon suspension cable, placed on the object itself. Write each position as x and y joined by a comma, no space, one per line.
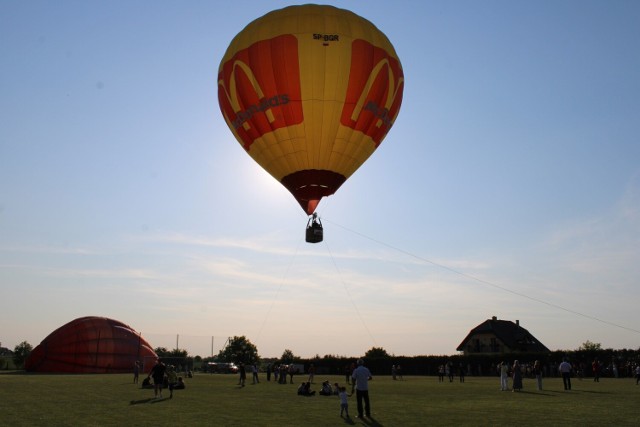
277,294
353,303
489,283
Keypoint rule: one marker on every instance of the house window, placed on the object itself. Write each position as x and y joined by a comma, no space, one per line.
476,345
494,345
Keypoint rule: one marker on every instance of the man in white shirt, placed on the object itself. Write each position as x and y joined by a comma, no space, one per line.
565,371
361,376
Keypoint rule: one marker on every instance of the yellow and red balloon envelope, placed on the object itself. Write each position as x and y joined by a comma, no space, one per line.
310,92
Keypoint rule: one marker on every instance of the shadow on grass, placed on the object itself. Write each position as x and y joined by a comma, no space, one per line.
370,421
588,391
539,393
148,400
543,393
555,393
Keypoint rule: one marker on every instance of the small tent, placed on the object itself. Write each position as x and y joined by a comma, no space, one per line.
91,345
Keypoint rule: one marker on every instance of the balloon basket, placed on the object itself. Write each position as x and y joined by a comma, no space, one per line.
314,230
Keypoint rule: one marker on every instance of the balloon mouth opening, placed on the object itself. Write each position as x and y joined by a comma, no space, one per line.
310,186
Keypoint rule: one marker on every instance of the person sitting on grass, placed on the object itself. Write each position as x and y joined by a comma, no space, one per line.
180,384
326,389
305,389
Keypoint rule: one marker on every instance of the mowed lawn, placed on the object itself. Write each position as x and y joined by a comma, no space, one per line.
216,400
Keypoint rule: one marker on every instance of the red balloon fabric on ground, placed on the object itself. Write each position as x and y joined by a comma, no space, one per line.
91,345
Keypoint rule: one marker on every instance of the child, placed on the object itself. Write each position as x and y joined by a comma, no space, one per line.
344,404
336,389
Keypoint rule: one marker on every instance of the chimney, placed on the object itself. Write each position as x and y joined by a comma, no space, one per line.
494,318
518,323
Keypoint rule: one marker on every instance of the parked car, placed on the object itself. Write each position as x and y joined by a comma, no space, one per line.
222,368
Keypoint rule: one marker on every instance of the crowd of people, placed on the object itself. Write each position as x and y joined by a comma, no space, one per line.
164,376
358,376
284,373
516,371
565,369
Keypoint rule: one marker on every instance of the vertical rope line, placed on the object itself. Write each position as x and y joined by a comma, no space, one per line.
277,294
346,289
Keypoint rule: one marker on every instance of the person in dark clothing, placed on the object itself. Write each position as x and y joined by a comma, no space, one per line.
243,375
157,373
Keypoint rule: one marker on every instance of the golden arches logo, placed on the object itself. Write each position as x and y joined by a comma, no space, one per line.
376,83
392,92
252,95
232,96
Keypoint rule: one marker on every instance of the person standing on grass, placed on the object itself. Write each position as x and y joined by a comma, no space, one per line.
361,376
347,374
517,376
157,373
312,373
637,374
344,402
172,379
136,372
537,371
504,376
254,371
243,375
565,371
595,366
292,372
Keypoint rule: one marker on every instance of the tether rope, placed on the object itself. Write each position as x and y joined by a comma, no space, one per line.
484,282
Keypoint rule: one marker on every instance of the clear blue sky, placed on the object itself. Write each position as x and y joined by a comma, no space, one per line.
509,185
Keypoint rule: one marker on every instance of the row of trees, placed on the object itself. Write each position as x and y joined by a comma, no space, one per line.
240,350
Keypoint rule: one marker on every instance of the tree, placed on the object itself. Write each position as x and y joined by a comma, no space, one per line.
178,352
21,352
377,353
161,351
288,357
590,346
239,350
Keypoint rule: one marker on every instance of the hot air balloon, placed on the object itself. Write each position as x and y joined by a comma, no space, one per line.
91,345
310,92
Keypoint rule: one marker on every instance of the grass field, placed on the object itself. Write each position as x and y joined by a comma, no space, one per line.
216,400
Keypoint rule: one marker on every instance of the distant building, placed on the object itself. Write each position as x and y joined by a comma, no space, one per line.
5,352
500,336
